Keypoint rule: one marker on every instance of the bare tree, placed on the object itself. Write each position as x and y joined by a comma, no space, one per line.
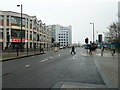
113,33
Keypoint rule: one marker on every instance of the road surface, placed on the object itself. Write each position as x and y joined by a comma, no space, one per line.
51,69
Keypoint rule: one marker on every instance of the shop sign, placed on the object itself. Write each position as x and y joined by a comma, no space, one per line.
17,40
17,27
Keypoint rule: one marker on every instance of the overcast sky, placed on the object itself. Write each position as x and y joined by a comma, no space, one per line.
77,13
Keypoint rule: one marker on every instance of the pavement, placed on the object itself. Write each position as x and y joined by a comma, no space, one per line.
13,55
107,66
106,53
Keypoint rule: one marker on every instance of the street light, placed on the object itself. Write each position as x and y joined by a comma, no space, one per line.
21,25
93,31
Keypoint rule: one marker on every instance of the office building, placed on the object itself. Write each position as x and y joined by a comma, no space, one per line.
61,34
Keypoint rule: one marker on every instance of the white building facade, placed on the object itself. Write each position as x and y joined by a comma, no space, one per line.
34,32
61,34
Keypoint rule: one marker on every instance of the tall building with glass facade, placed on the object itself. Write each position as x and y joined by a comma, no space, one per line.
34,32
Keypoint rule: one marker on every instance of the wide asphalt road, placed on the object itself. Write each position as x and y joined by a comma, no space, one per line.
44,71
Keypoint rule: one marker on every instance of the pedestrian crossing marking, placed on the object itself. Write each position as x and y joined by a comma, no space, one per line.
50,57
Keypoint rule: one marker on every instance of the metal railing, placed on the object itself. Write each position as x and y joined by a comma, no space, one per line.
10,53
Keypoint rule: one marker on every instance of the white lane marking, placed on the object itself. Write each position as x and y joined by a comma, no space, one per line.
73,57
85,54
27,66
59,55
114,76
44,60
50,57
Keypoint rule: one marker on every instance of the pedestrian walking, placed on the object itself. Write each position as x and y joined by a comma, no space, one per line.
102,50
73,50
113,49
90,49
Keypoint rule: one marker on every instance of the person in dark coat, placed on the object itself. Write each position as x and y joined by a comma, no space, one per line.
102,50
90,49
73,50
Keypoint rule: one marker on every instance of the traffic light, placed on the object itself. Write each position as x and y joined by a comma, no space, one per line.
53,40
90,42
86,40
100,38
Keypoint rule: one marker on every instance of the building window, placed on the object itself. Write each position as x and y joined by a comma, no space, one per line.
30,34
7,20
2,19
1,33
23,21
17,20
17,33
13,20
30,44
34,24
27,23
30,24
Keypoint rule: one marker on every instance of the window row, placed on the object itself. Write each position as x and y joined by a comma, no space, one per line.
17,21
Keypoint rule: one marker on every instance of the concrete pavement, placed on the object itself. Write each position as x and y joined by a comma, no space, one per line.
13,55
107,66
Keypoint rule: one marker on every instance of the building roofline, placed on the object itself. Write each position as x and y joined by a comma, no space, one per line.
15,12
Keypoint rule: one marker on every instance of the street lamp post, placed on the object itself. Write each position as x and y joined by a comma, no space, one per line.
93,31
21,26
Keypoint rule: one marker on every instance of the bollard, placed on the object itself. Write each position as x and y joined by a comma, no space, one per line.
17,50
27,50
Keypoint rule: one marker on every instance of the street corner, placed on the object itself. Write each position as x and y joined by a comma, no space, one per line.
106,55
77,85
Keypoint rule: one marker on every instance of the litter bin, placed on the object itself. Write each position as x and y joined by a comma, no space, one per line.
56,49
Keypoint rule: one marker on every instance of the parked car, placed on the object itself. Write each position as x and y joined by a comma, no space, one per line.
61,47
87,46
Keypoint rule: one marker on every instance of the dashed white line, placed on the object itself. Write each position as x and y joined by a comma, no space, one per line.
73,57
59,55
50,57
27,66
44,60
